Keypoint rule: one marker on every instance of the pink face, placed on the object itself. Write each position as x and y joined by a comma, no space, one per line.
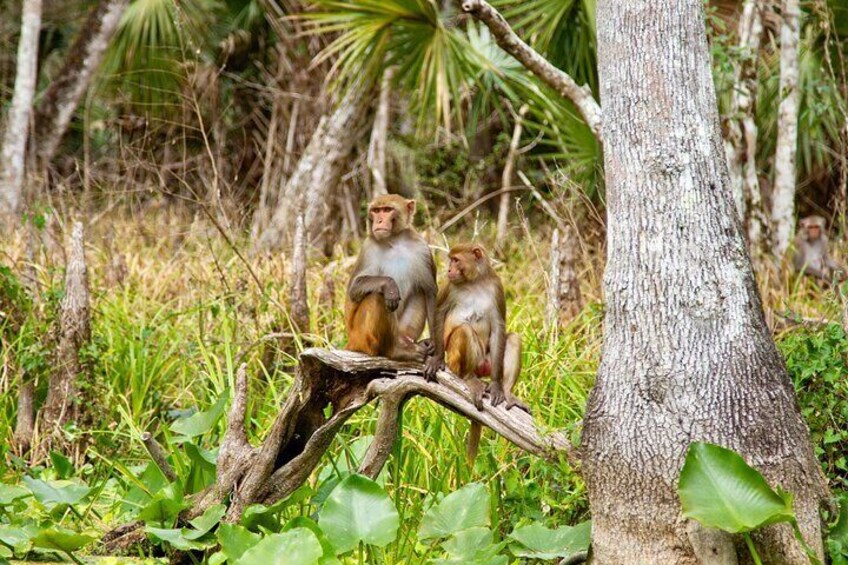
382,221
814,231
455,269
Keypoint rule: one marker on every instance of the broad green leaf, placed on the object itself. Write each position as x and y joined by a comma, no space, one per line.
11,493
466,508
329,556
359,510
63,466
177,539
295,547
206,521
201,422
61,539
495,560
50,493
259,515
235,540
165,506
538,542
202,472
16,538
719,490
472,544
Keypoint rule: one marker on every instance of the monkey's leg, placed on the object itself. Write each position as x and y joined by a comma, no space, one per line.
371,328
511,370
464,354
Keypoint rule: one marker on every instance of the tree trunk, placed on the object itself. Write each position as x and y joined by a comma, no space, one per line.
62,403
57,106
783,201
318,172
17,122
380,137
741,142
298,297
506,178
687,355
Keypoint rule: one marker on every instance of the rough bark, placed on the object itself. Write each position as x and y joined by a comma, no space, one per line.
25,418
338,383
557,79
687,355
380,136
57,105
319,169
741,141
783,199
62,404
17,122
506,177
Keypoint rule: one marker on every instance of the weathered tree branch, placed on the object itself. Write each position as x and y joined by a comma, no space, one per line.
535,63
302,434
157,453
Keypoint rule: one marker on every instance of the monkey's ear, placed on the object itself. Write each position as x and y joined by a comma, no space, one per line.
410,208
478,252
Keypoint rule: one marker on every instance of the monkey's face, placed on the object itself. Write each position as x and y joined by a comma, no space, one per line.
456,269
813,232
384,221
465,263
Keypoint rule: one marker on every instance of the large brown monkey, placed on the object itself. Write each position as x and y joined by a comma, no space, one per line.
392,291
472,314
812,255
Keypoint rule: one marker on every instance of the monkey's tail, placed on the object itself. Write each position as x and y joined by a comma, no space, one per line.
474,433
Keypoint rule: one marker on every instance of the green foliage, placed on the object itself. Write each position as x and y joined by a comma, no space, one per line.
466,508
359,511
538,542
718,489
837,537
817,360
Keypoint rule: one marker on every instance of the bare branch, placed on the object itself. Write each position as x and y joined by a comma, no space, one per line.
385,435
157,453
535,63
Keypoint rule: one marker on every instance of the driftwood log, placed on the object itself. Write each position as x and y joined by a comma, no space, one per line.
301,433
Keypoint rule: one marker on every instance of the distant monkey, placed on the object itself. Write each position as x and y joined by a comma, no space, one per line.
812,255
472,314
392,291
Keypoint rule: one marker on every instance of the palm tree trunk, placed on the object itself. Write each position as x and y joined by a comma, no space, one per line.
783,201
318,172
687,355
17,123
57,106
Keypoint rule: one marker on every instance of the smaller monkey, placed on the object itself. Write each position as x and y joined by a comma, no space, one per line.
392,291
812,255
472,318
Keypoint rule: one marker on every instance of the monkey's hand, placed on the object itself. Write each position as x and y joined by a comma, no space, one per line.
428,346
391,294
496,393
432,366
513,402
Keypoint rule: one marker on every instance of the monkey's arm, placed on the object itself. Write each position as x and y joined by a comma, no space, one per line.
363,285
436,322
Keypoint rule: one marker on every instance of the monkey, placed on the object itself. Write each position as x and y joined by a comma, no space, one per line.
472,320
392,290
812,256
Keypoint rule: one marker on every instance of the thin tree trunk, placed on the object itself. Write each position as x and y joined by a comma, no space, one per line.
783,201
57,106
25,420
320,167
741,142
17,122
506,177
380,136
62,403
298,299
687,355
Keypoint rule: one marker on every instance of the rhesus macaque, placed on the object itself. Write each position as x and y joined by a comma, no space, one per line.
472,314
812,255
392,291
